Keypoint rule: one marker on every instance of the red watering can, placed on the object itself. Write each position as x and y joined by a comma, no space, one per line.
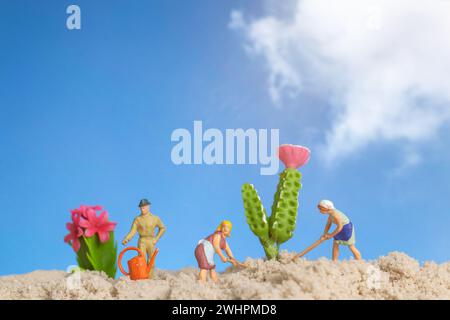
138,267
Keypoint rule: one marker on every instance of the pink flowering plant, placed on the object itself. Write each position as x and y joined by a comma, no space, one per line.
279,227
91,236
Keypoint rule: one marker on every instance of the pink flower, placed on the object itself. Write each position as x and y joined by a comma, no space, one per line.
293,156
83,210
97,224
74,231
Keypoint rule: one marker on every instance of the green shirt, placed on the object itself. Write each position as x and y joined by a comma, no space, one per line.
342,217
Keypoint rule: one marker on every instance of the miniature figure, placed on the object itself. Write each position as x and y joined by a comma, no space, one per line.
344,234
215,243
279,227
145,225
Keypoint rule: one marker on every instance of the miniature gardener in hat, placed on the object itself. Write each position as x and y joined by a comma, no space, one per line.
145,224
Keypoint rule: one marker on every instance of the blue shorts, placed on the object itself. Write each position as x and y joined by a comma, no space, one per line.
346,233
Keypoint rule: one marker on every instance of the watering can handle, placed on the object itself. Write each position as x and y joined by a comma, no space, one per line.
121,255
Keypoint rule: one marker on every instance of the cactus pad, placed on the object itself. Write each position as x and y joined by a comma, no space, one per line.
255,212
284,209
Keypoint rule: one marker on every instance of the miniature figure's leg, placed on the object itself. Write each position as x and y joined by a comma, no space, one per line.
213,275
148,251
202,275
335,251
141,245
355,252
149,248
146,246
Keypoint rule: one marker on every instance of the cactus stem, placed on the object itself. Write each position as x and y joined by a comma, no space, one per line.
270,248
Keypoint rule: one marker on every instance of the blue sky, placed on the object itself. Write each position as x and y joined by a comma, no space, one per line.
86,118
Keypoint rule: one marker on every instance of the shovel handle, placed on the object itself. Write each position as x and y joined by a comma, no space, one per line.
315,244
243,265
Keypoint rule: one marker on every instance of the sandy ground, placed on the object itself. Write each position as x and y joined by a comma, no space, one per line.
395,276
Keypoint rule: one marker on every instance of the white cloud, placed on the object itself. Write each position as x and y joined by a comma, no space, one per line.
384,65
410,159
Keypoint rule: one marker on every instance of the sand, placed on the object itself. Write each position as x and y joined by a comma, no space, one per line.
395,276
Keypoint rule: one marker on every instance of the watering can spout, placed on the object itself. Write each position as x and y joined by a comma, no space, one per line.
151,263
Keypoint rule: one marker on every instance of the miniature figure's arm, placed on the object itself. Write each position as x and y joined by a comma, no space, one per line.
229,252
161,229
216,245
231,258
131,234
327,226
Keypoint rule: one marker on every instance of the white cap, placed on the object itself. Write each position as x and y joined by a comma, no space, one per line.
327,204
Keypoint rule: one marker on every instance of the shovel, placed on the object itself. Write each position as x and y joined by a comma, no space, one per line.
240,264
315,244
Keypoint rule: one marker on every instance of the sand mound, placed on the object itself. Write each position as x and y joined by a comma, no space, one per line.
395,276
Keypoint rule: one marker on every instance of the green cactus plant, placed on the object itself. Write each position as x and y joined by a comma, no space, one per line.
279,227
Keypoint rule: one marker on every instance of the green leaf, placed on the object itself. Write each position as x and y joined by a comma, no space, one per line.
82,259
102,256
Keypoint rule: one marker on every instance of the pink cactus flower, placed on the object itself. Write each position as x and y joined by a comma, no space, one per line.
97,224
75,232
293,156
